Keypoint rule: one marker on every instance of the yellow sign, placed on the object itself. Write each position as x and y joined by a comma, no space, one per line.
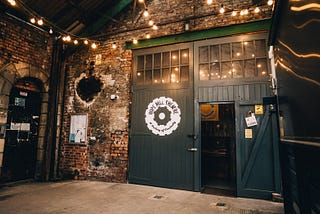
209,112
248,133
258,109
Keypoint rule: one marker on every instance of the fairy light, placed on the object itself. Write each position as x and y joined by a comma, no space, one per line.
93,45
86,42
155,27
146,13
270,2
135,41
40,22
114,45
257,10
222,10
50,31
234,13
141,1
12,2
148,36
75,42
150,22
209,2
33,20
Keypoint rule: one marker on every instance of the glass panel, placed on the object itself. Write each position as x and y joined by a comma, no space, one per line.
140,65
149,61
215,71
203,54
156,76
140,78
204,72
262,67
249,52
175,76
165,75
214,53
237,51
184,73
184,57
165,59
148,79
237,69
157,60
249,68
226,70
261,50
225,52
174,58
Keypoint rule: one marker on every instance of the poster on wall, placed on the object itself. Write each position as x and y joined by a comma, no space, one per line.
78,128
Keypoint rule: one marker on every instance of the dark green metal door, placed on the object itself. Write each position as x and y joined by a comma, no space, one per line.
161,150
258,154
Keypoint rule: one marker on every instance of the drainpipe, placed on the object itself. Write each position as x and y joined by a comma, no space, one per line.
273,71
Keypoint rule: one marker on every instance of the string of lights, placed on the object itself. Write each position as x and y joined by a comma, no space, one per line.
68,37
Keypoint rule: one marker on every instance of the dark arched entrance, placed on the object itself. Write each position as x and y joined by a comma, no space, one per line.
21,138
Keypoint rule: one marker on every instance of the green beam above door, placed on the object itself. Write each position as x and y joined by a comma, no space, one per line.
110,12
203,34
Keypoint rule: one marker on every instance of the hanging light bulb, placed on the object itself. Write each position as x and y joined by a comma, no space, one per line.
12,2
222,10
68,38
209,2
94,45
154,27
246,11
50,31
114,45
75,42
234,13
270,2
150,22
146,13
148,36
86,42
40,22
33,20
135,41
140,1
257,10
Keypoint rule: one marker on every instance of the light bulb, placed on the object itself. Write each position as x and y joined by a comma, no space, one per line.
85,42
135,41
141,1
75,42
40,22
222,9
33,20
209,2
114,45
146,13
94,45
50,31
68,38
234,13
257,10
270,2
12,2
150,22
148,36
155,27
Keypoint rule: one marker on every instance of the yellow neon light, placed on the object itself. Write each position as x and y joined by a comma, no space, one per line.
306,23
299,55
305,7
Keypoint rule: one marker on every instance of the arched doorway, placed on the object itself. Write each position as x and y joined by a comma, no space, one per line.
21,138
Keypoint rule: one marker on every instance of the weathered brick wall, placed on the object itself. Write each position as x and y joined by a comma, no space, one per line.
20,42
106,157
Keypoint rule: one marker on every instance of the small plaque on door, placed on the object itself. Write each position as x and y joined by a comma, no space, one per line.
248,133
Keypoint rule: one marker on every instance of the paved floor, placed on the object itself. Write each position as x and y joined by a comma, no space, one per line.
101,197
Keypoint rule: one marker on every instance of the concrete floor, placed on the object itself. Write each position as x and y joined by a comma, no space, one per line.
101,197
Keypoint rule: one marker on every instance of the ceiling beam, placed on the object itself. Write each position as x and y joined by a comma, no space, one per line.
103,20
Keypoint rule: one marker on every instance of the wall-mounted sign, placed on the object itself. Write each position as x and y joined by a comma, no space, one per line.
258,109
162,116
248,133
78,128
209,112
251,120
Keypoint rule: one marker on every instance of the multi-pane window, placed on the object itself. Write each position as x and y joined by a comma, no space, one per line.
163,68
233,60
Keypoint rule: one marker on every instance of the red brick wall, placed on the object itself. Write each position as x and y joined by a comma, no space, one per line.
106,158
20,42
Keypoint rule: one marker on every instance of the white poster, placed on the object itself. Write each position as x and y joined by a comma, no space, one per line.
251,120
78,128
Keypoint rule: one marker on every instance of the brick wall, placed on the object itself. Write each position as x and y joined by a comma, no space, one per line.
106,157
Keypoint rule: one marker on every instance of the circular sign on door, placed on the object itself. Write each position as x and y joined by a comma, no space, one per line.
162,116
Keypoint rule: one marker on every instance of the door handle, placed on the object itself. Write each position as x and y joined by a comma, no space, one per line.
193,136
192,149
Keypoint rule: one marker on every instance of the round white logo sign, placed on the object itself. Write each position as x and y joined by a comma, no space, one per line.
162,116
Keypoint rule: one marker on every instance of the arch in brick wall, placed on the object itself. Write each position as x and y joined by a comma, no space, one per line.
9,75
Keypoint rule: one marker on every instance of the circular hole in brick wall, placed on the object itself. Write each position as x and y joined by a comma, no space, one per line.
88,88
